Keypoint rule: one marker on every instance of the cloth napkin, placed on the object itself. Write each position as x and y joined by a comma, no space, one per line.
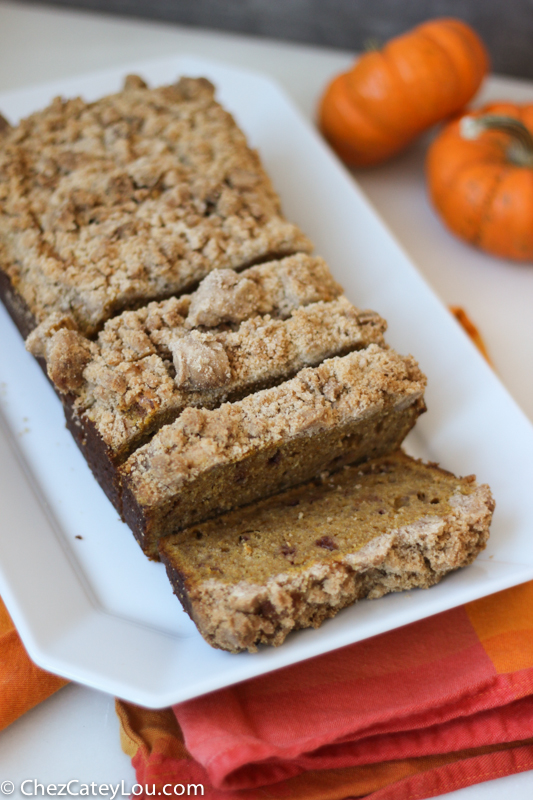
416,712
22,684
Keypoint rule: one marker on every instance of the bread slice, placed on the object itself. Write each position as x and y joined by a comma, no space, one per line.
199,350
107,205
253,575
124,382
346,410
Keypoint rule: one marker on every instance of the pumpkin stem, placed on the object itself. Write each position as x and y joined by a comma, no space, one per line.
372,44
520,150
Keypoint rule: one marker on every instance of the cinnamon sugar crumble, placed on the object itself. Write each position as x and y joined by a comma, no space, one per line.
4,125
199,439
201,363
136,196
147,365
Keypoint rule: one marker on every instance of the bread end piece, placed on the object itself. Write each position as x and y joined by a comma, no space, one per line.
240,615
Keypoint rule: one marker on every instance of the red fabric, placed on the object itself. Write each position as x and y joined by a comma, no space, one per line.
417,712
427,689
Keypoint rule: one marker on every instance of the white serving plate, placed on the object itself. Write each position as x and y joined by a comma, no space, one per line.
85,600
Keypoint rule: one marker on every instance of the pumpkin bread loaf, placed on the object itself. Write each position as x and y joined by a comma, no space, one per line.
147,366
188,406
293,560
107,205
346,410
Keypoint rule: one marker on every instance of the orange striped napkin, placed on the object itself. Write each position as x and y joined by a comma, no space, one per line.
416,712
22,684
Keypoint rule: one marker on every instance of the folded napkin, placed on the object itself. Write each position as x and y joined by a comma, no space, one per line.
416,712
22,684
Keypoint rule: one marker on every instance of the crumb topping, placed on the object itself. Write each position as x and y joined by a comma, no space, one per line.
200,362
38,340
4,125
275,288
147,365
135,196
67,356
317,399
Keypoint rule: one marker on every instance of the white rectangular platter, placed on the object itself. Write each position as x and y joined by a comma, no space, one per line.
86,601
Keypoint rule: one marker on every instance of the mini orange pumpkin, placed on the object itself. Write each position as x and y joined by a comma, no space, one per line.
480,177
389,97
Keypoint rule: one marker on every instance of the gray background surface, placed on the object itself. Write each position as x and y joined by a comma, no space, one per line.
505,25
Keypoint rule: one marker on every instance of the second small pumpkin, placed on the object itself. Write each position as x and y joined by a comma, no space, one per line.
480,178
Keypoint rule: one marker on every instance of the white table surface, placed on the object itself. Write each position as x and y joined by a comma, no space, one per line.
74,734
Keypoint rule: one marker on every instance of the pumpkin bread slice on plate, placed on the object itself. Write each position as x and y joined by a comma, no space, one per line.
346,410
253,575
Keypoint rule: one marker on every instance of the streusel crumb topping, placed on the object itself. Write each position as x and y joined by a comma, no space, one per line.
136,196
317,399
147,365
